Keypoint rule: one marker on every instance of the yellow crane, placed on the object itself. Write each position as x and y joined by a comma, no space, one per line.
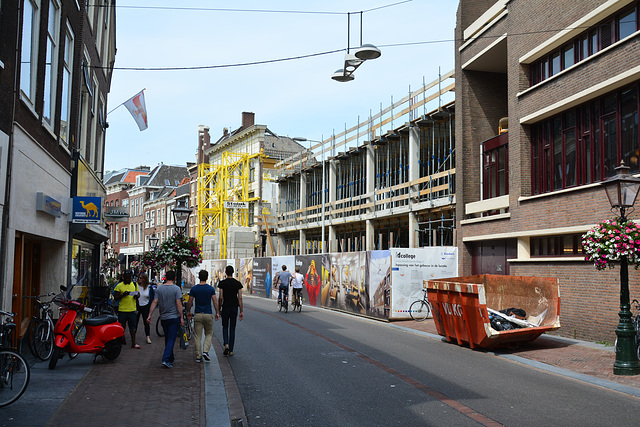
227,182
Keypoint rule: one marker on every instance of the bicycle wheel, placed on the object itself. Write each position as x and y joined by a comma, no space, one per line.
279,305
159,328
30,335
14,376
188,325
42,341
419,310
55,356
299,305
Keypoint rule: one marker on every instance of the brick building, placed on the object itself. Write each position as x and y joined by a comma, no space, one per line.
56,62
566,86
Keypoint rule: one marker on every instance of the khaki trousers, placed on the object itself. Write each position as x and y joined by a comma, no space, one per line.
203,321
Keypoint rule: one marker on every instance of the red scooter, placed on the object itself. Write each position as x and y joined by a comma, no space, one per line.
104,335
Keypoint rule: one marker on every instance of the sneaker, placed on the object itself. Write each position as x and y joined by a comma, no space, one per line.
148,340
198,360
226,349
206,356
167,365
231,353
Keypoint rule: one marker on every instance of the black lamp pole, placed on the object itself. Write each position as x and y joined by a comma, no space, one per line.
181,215
622,190
153,240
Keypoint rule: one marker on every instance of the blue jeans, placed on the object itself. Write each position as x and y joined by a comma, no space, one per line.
283,290
229,318
170,327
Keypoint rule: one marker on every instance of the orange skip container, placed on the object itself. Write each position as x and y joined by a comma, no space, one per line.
460,305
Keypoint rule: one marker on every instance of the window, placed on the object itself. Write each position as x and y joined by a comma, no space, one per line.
29,51
568,245
495,166
590,42
51,63
67,63
586,144
124,231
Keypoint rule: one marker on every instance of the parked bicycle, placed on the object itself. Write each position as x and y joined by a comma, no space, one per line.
40,328
14,370
188,323
420,309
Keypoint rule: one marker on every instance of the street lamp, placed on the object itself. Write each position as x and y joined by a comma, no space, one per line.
181,215
153,243
353,60
622,191
323,188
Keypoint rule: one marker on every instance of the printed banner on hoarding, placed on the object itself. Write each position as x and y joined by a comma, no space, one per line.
410,267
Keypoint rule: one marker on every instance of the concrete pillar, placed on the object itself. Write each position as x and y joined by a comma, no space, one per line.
414,239
333,243
370,243
281,246
303,190
414,153
303,242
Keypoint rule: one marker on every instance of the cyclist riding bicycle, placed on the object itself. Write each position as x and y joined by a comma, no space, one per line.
297,281
283,280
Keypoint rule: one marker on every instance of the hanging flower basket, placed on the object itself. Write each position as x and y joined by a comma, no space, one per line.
110,264
179,248
608,241
149,259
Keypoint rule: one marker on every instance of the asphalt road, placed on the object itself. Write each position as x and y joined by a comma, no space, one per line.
325,368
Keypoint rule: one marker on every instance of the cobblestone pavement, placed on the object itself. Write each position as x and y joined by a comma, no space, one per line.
136,389
580,357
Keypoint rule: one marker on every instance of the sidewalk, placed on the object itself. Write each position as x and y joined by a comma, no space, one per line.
585,361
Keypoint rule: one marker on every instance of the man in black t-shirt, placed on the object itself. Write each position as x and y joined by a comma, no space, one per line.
230,299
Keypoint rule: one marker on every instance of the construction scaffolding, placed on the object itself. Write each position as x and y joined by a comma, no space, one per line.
223,196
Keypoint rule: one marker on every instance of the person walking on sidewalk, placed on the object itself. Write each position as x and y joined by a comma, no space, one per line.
147,294
126,292
168,298
203,294
230,300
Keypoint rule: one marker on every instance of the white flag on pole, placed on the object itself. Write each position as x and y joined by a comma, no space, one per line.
138,109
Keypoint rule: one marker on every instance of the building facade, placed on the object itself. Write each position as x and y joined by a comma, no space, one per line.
566,86
56,62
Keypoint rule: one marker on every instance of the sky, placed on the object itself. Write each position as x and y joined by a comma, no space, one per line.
295,98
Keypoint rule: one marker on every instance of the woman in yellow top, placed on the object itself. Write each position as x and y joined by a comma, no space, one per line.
126,292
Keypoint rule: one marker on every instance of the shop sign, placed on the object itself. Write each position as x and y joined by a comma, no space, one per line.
87,210
236,205
48,205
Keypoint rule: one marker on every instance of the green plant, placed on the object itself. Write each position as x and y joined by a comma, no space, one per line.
609,240
179,249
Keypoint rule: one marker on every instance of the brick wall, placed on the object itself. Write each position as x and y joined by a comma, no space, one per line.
590,298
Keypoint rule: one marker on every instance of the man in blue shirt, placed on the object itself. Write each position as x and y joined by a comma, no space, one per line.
203,294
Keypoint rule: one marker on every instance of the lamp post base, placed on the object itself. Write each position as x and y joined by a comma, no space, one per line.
626,357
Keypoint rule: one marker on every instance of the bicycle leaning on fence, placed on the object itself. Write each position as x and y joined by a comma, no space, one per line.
14,370
40,328
420,309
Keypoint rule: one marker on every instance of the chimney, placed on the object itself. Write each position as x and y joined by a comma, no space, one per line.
225,131
204,143
247,120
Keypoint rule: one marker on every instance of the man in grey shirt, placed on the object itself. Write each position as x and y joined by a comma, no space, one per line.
168,298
